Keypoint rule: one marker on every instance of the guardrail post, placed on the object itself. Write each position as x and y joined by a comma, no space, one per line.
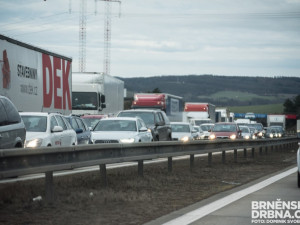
192,162
260,150
170,164
235,155
245,152
223,157
141,168
209,158
253,152
103,176
49,187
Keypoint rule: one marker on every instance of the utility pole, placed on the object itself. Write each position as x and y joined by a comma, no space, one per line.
107,34
82,35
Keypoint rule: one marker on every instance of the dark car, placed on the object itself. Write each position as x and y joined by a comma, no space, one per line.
12,128
225,131
156,120
81,129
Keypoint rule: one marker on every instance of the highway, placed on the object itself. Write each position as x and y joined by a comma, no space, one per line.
240,205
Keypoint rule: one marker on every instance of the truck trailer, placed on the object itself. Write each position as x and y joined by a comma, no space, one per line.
96,93
276,120
172,105
198,113
35,80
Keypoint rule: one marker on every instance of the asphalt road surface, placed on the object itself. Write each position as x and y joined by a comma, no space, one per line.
270,200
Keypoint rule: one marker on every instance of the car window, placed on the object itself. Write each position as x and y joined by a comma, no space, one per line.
61,122
53,122
157,118
74,123
116,125
81,124
35,123
69,127
11,111
161,117
147,117
3,117
139,124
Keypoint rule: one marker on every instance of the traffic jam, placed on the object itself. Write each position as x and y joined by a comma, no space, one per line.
48,105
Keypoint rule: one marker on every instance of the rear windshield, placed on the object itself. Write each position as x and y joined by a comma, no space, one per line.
35,123
147,117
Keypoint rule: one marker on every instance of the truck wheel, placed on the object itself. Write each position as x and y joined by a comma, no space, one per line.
298,179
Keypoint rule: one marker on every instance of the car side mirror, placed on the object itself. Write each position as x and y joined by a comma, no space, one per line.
57,129
79,131
143,129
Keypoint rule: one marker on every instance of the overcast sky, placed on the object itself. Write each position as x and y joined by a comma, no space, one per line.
166,37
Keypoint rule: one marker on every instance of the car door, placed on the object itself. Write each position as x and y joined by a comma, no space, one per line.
66,136
55,137
12,129
160,126
86,134
143,134
5,140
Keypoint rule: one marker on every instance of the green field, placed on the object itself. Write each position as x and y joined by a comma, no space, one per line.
264,109
244,96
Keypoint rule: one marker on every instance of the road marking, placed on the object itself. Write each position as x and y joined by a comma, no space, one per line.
211,207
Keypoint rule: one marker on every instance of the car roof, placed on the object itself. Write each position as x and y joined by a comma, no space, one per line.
37,113
94,116
121,118
184,123
141,110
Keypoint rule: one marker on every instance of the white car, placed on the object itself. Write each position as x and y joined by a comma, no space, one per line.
246,133
47,129
182,131
120,130
206,128
298,164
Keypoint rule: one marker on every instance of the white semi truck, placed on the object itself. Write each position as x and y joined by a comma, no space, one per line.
35,79
96,93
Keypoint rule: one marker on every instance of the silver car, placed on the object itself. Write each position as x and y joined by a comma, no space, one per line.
121,130
12,128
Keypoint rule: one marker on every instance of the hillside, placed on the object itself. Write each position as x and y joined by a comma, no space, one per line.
220,90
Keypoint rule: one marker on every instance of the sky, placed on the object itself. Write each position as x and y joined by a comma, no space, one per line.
166,37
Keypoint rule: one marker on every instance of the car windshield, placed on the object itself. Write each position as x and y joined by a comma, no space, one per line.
180,128
224,128
257,126
147,117
84,100
91,122
206,127
244,129
35,123
116,125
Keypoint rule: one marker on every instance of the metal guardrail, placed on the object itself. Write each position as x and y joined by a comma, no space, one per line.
18,162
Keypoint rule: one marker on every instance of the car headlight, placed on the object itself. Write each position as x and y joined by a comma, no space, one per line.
149,130
260,134
34,143
127,140
279,135
271,135
247,137
233,137
184,139
212,137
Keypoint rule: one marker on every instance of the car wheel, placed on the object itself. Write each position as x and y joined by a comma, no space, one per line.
156,138
298,179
